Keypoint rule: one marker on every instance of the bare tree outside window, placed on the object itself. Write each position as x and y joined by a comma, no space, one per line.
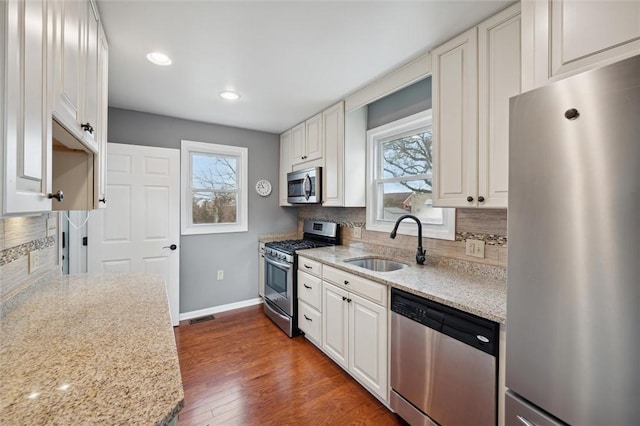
405,183
214,189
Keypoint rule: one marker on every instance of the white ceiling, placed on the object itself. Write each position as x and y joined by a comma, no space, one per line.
287,59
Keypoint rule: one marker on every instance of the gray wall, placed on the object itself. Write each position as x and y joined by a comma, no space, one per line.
202,255
403,103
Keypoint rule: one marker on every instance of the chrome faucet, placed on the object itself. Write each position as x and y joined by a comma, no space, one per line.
420,254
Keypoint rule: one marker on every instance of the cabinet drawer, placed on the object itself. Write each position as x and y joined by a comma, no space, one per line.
310,289
310,322
362,286
310,266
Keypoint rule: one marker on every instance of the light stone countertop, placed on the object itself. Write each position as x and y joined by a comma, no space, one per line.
91,349
268,237
471,287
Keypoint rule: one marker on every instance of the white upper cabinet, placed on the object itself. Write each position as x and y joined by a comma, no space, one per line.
102,120
455,120
45,48
499,78
25,125
298,144
315,144
285,166
344,171
474,75
76,85
565,37
92,76
306,141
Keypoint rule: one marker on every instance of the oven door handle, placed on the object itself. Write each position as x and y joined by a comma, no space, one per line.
270,260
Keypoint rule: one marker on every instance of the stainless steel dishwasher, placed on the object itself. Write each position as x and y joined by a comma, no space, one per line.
443,363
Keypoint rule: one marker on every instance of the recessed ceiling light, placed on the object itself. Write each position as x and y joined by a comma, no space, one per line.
230,96
159,58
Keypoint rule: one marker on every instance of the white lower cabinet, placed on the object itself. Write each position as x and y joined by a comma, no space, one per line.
310,299
354,335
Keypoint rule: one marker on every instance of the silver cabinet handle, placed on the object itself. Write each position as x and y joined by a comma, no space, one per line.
524,421
58,195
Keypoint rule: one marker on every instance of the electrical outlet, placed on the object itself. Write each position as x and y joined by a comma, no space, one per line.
475,248
52,225
34,260
357,232
220,274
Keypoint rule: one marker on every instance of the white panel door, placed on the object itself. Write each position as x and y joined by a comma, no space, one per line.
136,231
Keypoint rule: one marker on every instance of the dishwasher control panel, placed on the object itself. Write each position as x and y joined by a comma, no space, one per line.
471,329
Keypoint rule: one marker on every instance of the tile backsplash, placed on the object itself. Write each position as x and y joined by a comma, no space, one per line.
18,237
479,224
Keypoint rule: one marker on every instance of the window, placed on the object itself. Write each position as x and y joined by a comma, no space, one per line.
214,188
399,175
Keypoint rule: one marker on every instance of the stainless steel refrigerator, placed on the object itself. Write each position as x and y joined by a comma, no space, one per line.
573,289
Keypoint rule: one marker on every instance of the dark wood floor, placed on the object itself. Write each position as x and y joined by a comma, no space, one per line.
240,369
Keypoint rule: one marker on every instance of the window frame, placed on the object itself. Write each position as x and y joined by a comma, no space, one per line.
377,136
187,149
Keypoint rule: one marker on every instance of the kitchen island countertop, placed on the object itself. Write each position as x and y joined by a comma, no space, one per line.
467,286
91,349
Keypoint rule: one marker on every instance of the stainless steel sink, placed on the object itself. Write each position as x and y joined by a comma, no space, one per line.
377,264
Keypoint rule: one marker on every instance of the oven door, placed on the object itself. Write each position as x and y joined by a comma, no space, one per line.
278,286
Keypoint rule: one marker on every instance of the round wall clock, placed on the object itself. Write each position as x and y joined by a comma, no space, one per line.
263,187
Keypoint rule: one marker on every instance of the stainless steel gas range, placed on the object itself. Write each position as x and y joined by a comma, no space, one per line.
280,265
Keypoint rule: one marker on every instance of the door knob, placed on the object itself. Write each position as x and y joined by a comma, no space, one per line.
172,247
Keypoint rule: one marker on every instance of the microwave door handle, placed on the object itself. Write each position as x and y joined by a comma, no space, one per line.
273,262
306,186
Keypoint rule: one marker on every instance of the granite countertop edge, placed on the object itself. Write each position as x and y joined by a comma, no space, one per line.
91,348
470,287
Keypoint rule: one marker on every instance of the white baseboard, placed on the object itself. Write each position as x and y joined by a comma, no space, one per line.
221,308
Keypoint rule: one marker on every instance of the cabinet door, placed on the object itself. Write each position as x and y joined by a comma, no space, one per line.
101,131
92,73
335,331
68,44
566,37
333,172
368,344
499,77
298,144
315,143
285,165
25,124
455,118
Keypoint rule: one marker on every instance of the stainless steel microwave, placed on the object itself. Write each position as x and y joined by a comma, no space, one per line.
305,186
